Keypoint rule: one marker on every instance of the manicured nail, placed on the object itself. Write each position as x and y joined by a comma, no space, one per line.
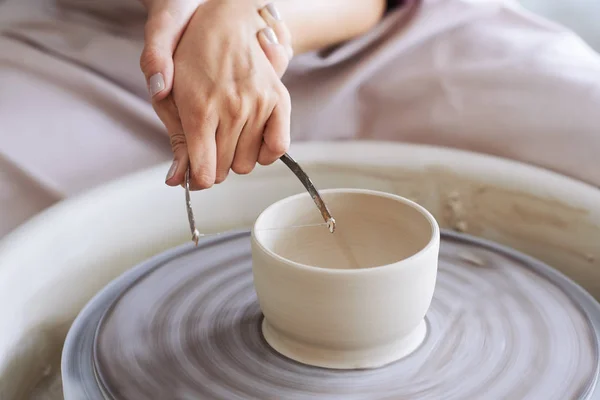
270,35
273,11
172,170
156,84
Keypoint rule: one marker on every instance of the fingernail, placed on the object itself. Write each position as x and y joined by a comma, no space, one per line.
270,35
273,11
290,52
156,84
172,170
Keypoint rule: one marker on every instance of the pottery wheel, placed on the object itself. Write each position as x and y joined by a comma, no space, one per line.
186,325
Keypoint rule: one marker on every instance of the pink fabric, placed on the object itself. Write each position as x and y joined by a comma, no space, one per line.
477,75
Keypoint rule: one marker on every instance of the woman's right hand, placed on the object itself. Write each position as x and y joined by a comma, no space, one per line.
209,33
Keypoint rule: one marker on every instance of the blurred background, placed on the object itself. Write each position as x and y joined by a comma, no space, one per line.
581,16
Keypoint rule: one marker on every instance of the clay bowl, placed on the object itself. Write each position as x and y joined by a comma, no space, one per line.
353,299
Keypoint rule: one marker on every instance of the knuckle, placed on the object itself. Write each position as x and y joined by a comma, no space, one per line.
197,115
283,63
177,141
150,60
202,180
265,101
242,168
234,103
240,119
279,145
283,96
221,176
200,116
267,159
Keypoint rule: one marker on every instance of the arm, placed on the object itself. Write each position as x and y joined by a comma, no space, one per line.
317,24
314,24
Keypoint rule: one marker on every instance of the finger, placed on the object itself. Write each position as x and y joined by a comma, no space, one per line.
274,51
199,128
168,114
228,134
248,147
250,140
162,34
266,156
272,17
276,138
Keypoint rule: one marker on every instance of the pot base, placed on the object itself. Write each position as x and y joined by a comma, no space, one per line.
341,359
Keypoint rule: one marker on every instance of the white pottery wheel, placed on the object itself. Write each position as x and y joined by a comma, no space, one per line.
54,264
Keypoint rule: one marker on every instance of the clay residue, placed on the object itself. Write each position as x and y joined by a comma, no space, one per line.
454,212
472,259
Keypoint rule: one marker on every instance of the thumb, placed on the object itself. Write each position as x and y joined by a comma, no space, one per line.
169,115
176,173
162,34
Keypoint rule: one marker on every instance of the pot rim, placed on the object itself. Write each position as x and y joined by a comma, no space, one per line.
434,239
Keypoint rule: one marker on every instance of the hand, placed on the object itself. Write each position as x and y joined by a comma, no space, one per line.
163,31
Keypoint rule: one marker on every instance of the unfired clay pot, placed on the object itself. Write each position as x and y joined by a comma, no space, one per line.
356,298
